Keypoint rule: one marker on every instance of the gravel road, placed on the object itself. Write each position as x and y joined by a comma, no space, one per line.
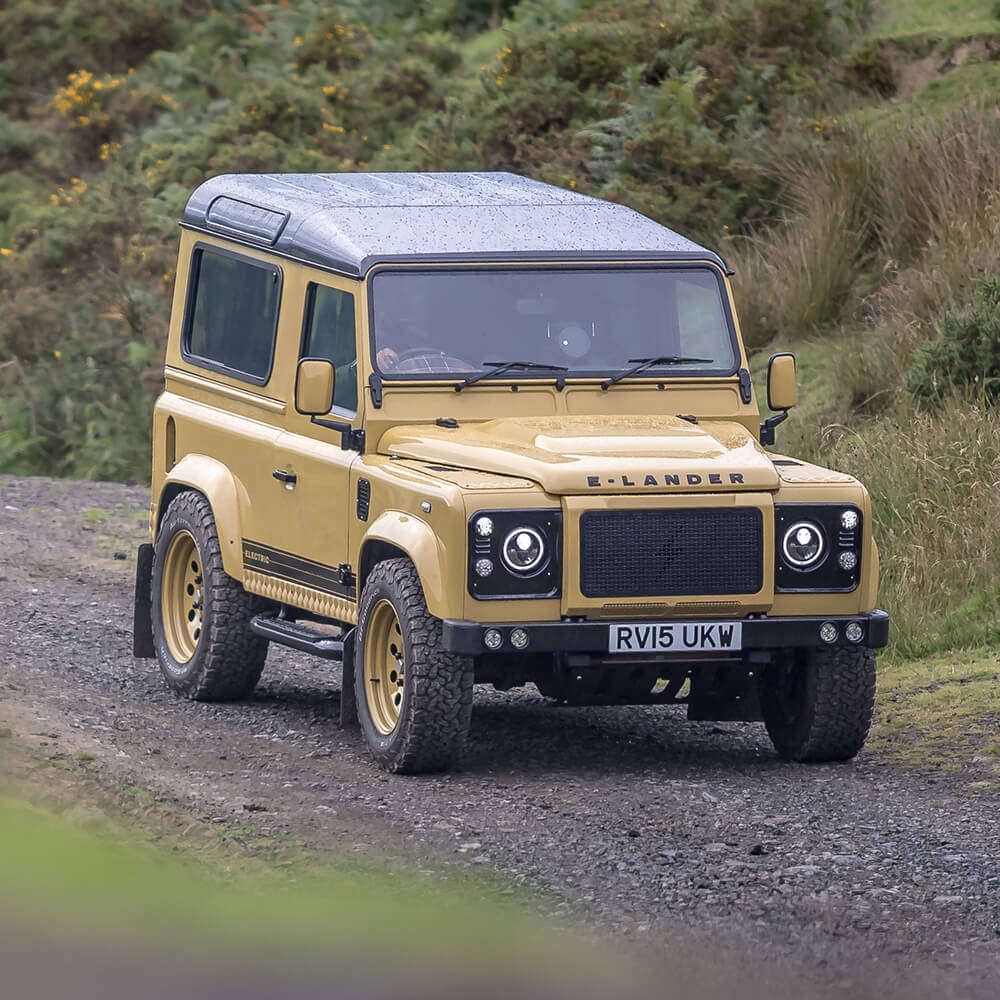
860,877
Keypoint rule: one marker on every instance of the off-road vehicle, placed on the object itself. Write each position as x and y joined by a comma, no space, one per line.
469,428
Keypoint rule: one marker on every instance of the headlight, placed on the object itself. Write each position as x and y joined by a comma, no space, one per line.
523,550
817,547
803,544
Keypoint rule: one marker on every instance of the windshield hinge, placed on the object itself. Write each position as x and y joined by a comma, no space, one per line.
689,417
375,384
746,386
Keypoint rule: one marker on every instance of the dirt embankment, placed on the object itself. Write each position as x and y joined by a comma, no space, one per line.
860,876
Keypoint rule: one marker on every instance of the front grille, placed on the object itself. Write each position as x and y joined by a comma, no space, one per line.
667,553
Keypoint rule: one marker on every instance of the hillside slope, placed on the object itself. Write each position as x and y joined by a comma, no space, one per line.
844,156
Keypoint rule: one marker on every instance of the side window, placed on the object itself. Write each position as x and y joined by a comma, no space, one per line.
329,333
232,314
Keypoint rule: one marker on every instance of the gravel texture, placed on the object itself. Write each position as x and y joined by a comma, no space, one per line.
860,877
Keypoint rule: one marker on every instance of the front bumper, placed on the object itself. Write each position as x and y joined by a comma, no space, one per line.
759,633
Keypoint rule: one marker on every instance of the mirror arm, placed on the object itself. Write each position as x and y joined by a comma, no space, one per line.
768,425
351,439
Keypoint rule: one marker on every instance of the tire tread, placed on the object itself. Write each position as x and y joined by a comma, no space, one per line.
229,665
438,708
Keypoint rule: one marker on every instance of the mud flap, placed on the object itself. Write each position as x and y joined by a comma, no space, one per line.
142,621
348,700
724,694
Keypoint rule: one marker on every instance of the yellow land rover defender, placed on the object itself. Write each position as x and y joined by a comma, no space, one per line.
468,428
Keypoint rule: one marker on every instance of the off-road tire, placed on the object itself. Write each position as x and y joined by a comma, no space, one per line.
818,703
437,697
229,658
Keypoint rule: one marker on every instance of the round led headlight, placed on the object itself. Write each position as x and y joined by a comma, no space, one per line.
803,545
523,550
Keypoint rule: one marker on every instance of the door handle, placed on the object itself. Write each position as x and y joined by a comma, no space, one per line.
288,478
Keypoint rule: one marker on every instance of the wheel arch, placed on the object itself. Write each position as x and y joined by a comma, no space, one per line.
224,493
395,535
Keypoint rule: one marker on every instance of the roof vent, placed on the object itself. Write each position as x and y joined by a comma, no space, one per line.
249,220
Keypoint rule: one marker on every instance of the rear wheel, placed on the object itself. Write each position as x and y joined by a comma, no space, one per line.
818,703
201,616
414,698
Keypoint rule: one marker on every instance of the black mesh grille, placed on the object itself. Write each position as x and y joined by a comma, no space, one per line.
654,553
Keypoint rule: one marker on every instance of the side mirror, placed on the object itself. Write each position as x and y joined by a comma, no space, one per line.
782,393
314,386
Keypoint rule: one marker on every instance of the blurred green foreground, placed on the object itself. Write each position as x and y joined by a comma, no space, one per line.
83,915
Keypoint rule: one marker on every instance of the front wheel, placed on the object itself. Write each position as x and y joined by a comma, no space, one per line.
818,703
414,698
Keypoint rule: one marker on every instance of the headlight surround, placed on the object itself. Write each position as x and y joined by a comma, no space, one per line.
837,566
524,547
803,544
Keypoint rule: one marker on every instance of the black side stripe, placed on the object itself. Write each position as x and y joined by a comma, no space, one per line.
295,569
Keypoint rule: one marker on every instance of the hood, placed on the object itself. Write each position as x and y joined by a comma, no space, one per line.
595,454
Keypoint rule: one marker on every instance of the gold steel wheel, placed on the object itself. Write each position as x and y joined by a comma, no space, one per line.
384,667
181,596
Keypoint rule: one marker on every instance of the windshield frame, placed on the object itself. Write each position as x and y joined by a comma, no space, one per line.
655,374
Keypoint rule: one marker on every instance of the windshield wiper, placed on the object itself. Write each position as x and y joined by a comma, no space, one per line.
645,363
500,367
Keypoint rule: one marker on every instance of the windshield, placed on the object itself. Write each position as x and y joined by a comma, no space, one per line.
590,321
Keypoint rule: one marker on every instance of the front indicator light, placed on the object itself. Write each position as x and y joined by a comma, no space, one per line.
484,567
828,632
847,560
849,520
492,639
484,526
519,638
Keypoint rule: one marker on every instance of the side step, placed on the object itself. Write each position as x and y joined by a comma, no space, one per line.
299,636
329,647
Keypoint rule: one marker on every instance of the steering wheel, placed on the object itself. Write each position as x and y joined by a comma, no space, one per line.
419,352
425,352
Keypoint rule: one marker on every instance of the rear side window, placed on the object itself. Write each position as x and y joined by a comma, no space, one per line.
329,333
232,314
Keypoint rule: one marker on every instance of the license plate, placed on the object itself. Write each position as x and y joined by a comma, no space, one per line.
675,637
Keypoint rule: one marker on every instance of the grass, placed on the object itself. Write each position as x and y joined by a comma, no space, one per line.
939,17
95,515
79,887
941,713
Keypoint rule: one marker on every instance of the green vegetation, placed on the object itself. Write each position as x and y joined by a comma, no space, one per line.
907,17
843,155
966,351
77,888
940,713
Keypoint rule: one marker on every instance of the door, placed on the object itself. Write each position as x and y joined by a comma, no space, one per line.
306,544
